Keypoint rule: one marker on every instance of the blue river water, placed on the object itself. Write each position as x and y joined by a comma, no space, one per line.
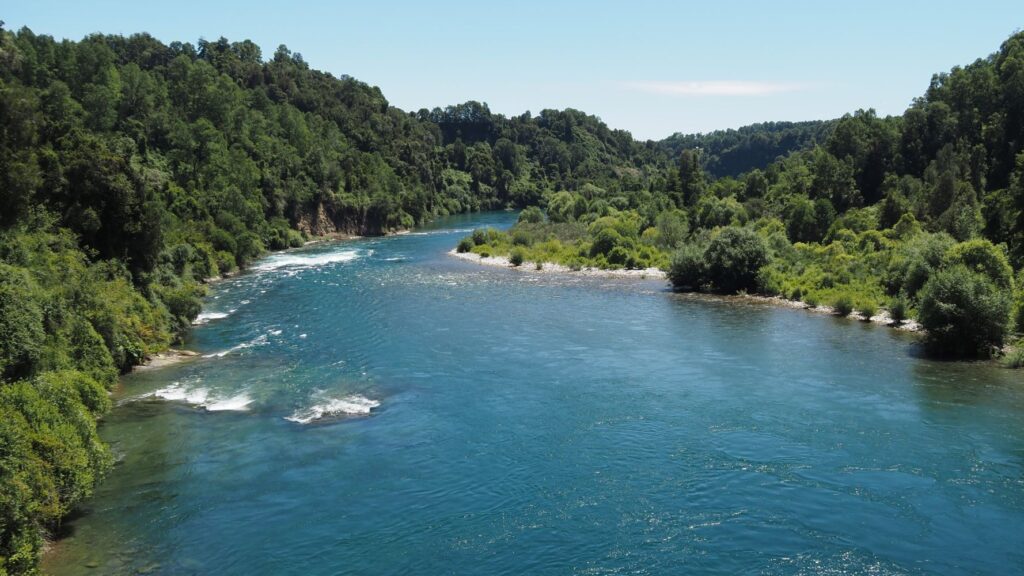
376,406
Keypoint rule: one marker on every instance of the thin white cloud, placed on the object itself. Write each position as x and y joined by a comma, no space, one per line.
715,87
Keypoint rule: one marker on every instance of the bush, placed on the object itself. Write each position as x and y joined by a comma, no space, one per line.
517,257
843,305
531,215
465,245
605,240
21,324
521,238
733,259
867,309
982,256
687,268
898,309
479,236
1015,358
964,312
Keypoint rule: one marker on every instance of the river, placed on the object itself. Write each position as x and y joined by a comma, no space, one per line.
377,407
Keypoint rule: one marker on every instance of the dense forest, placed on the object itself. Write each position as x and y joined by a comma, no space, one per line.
735,152
920,214
132,171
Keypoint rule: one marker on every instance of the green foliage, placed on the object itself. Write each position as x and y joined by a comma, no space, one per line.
517,256
867,309
687,270
465,245
1015,357
733,259
843,305
898,308
51,457
21,324
531,215
964,312
734,152
982,256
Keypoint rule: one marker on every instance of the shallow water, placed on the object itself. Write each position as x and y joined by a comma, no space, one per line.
377,407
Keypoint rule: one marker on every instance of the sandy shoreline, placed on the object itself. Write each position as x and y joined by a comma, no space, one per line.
550,267
881,317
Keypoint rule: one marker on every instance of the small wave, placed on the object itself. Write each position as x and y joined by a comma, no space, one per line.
257,341
348,406
205,317
178,393
234,404
307,260
202,398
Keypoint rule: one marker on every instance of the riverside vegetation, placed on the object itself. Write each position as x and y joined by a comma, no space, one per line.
920,214
131,171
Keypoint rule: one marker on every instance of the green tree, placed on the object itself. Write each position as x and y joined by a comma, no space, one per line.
964,312
733,259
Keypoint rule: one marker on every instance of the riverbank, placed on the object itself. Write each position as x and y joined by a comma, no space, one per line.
166,358
551,267
882,317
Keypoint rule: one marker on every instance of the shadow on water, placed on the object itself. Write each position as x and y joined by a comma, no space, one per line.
944,384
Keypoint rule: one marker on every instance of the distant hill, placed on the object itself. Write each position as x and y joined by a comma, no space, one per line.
733,152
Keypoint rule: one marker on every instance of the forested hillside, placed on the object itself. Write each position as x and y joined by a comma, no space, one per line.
131,170
920,214
733,152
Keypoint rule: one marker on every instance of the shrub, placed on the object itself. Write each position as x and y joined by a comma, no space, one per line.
520,238
733,259
982,256
868,309
531,215
517,256
964,312
1015,358
687,268
843,305
621,257
539,265
465,245
479,236
21,324
605,240
898,309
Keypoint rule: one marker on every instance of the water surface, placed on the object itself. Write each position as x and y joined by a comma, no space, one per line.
378,407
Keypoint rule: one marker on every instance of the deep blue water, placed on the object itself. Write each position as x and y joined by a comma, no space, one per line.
544,424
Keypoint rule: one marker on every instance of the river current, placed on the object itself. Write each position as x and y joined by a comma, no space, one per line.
376,406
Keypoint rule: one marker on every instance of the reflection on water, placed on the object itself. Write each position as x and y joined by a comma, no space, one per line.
494,421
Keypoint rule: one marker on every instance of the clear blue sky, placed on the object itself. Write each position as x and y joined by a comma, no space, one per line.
653,68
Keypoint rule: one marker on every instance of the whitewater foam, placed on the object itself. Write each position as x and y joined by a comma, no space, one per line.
301,261
205,317
353,405
201,398
234,404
